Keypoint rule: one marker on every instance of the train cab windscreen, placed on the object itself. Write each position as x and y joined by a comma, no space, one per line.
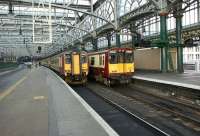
67,58
83,59
113,57
128,57
121,57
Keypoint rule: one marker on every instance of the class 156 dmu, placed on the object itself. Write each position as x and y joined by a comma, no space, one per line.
72,66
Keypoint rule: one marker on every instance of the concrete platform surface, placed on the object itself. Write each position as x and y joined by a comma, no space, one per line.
188,80
41,104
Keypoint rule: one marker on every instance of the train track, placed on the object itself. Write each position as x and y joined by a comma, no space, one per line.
185,111
119,118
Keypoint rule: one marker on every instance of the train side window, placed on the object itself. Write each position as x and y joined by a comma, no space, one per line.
100,60
67,59
92,61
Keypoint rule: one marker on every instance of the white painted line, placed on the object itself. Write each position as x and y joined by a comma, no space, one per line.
5,72
8,71
92,112
168,82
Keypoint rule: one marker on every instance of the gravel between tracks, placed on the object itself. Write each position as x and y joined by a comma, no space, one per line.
163,120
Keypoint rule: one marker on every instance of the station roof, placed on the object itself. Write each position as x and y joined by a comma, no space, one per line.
16,21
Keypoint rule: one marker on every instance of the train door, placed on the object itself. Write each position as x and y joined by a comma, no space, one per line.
112,67
128,61
84,63
120,61
76,64
67,64
60,64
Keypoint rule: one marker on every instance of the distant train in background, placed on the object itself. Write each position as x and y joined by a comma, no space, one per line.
112,66
24,59
72,65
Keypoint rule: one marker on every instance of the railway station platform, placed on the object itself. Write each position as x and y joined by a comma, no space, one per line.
36,102
187,80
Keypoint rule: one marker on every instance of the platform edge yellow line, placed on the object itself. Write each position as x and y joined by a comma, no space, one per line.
11,89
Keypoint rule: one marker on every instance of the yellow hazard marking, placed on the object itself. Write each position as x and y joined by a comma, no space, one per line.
11,89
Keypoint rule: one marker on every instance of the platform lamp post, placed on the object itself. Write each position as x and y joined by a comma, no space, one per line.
178,15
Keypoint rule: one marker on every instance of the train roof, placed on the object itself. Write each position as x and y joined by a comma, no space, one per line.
107,50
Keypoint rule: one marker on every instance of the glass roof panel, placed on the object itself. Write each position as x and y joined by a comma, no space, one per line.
81,2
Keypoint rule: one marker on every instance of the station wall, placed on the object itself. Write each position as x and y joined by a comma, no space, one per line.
150,59
147,59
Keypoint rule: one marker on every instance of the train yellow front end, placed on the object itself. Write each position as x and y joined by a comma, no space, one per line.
76,67
111,66
120,65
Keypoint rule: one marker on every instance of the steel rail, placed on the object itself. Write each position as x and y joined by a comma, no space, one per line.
147,124
149,102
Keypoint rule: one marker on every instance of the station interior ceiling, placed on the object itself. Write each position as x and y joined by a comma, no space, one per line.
56,25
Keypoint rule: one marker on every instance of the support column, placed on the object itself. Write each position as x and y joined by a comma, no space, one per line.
10,7
164,41
133,40
117,37
82,47
198,11
178,17
134,35
109,40
117,5
94,43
